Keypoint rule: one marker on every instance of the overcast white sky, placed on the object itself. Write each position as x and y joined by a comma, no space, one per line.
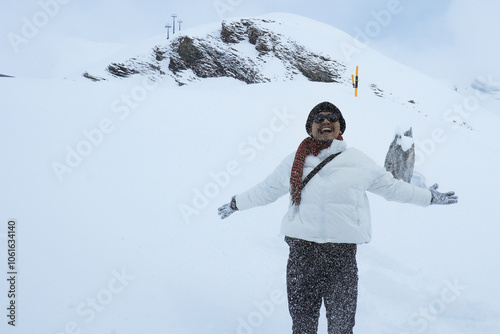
451,40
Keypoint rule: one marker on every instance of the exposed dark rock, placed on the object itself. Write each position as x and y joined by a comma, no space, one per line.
315,67
264,45
233,32
188,52
92,77
254,33
398,161
121,70
206,60
377,91
159,54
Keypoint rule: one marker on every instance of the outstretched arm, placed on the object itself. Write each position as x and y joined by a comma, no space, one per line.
274,186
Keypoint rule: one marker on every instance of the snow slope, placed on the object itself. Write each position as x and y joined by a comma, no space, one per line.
114,186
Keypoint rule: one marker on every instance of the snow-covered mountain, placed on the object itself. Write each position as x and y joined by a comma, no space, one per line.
484,90
249,50
114,186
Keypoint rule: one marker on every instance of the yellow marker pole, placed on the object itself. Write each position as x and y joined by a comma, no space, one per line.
355,82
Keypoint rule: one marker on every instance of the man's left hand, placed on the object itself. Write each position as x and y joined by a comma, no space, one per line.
442,198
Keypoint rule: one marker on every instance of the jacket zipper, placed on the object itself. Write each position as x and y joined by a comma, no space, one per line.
323,224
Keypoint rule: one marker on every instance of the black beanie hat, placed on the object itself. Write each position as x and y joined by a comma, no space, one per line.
325,107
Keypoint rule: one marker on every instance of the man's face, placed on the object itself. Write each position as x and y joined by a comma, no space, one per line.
325,126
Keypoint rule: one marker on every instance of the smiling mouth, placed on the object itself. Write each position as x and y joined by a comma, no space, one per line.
326,130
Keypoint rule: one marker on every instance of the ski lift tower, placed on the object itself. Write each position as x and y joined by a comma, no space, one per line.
168,26
173,25
179,21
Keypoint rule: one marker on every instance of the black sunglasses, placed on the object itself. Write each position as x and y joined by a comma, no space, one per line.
319,118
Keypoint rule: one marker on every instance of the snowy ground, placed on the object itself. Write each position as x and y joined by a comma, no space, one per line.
115,187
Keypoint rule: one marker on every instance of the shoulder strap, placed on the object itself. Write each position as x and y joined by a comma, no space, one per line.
317,168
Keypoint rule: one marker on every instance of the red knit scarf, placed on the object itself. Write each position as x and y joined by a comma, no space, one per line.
307,147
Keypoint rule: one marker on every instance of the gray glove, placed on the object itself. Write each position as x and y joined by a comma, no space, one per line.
227,209
442,198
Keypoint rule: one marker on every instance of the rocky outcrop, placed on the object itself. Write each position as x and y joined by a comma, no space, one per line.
225,53
150,65
400,158
210,59
219,56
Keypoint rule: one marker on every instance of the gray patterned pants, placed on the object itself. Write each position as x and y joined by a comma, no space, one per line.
322,272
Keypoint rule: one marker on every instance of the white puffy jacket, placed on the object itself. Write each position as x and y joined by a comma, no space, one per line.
334,206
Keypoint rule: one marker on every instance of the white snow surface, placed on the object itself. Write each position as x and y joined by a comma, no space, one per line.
126,238
404,141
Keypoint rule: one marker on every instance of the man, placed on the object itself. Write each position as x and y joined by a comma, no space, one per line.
327,218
